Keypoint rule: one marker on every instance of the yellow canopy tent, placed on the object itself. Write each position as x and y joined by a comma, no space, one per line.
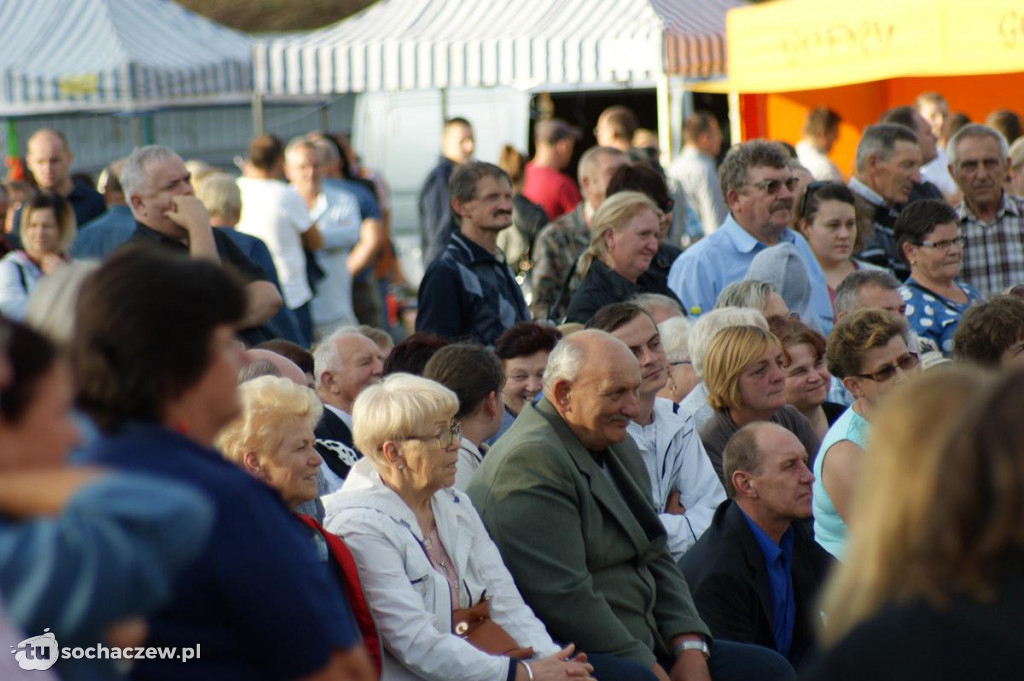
867,56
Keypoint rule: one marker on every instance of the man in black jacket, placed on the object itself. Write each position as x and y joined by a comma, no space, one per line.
756,572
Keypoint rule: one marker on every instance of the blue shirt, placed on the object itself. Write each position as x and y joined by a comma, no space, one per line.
257,599
704,269
778,559
98,238
369,209
933,316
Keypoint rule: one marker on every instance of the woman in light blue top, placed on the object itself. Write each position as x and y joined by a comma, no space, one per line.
868,351
928,238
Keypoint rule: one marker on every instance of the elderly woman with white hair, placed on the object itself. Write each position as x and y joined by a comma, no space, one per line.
682,378
446,606
273,440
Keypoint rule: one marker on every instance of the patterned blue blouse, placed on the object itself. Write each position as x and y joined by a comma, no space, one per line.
933,316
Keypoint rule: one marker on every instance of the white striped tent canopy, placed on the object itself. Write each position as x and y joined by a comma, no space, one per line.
76,55
398,45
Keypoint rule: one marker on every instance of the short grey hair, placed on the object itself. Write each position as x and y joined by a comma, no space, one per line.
302,142
326,356
675,333
564,364
710,323
748,293
847,293
880,141
326,152
254,370
590,158
134,178
655,301
753,154
975,130
462,185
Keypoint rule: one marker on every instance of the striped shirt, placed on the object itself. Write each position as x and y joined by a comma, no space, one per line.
994,254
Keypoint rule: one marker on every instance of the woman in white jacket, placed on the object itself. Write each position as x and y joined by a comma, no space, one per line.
422,549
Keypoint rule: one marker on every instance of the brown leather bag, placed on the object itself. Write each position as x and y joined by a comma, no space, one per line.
476,626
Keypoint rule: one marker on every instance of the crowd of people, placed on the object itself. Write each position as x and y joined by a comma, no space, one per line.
736,420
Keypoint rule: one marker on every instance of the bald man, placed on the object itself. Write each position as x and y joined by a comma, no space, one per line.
49,160
566,497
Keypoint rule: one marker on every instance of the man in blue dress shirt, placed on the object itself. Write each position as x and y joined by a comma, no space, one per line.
755,573
758,188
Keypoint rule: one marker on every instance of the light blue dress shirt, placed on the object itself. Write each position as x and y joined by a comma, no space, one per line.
703,270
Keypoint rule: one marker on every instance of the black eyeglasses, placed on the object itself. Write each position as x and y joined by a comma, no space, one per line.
773,187
811,189
905,363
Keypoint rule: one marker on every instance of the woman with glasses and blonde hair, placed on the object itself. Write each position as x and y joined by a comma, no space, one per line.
928,239
624,239
745,383
932,584
867,350
423,551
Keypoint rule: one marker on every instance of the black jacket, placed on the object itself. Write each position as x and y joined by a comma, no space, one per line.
334,444
602,287
729,581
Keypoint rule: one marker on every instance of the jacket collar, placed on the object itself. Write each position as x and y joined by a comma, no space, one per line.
615,501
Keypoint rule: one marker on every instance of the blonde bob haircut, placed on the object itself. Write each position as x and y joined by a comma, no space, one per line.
400,406
614,214
268,402
888,559
733,350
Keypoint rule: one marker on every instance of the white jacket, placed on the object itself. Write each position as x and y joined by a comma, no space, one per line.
678,462
410,599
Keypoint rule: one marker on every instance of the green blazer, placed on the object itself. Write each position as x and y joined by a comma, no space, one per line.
591,560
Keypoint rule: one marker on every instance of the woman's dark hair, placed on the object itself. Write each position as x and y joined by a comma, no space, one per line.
411,355
302,357
817,192
918,220
31,356
526,338
640,177
469,370
613,315
144,323
62,213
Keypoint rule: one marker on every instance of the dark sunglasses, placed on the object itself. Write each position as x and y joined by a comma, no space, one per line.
811,188
905,363
774,186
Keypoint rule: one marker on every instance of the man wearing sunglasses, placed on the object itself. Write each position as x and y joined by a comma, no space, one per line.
758,188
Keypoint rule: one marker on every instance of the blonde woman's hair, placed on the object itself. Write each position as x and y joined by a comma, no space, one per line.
400,406
616,211
886,560
733,350
268,402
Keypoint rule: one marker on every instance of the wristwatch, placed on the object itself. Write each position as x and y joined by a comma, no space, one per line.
700,645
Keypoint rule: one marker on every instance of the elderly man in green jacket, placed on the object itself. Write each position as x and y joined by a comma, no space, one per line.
565,496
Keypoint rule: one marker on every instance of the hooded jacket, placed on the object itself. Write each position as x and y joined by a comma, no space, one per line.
782,267
410,599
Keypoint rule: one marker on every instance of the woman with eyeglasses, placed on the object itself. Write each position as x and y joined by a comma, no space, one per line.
867,350
928,239
422,550
826,217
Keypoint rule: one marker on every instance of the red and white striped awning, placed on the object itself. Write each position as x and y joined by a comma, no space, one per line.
427,44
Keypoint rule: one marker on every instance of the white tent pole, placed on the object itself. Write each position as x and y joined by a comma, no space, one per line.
444,104
735,119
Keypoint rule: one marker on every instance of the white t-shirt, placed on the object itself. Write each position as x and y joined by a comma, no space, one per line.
274,212
337,216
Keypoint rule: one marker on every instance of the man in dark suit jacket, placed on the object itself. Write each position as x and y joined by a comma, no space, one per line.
756,572
343,363
566,497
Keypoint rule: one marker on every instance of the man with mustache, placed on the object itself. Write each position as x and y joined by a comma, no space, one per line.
469,292
566,496
758,188
888,165
990,219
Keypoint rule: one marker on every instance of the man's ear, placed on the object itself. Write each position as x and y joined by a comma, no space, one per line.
326,381
743,482
562,395
490,404
456,206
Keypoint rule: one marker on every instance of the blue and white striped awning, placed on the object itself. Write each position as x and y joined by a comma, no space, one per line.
59,55
427,44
